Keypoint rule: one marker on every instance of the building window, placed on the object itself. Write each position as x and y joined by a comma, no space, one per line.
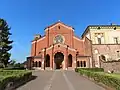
84,63
78,65
99,40
59,27
103,58
118,54
81,63
115,40
114,28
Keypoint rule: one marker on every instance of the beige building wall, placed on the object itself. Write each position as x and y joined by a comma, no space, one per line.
108,47
108,35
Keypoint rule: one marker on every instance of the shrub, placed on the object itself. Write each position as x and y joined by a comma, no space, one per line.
107,79
91,69
14,76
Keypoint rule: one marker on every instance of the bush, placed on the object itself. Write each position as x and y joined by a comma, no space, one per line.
107,79
14,76
14,68
91,69
1,66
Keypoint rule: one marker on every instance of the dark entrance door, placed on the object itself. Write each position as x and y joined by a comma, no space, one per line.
58,59
69,60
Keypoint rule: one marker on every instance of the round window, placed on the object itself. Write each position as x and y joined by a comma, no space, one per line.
59,39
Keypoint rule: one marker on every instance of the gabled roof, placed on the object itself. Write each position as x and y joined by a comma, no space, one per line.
57,23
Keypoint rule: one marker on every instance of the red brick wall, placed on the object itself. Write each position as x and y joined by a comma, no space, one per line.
33,49
41,45
78,44
87,47
70,40
67,33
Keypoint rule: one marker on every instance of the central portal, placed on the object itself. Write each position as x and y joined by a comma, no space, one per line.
58,59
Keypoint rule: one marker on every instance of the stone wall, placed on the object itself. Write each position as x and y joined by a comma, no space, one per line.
115,66
110,51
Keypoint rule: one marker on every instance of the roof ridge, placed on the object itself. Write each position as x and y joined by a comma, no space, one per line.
57,23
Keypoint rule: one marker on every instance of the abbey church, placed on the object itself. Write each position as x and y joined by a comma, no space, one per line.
60,48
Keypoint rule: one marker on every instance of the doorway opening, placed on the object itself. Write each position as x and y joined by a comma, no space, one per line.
58,59
47,63
69,60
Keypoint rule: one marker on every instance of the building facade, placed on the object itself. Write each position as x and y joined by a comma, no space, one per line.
59,48
105,42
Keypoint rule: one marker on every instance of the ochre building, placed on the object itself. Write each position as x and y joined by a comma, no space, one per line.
59,48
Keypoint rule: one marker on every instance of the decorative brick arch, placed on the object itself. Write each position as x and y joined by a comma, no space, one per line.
59,51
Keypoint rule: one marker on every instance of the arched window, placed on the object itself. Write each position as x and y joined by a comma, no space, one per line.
78,65
103,58
32,63
39,64
36,64
81,64
84,63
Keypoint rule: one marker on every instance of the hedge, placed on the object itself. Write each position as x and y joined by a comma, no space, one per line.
91,69
7,76
105,78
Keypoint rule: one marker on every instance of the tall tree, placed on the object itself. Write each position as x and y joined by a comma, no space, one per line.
5,43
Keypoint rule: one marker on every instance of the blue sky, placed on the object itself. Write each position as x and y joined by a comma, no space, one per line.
29,17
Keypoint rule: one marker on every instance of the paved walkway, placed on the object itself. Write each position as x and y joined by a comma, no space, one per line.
59,80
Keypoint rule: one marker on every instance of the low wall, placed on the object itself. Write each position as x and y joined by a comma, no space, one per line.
113,65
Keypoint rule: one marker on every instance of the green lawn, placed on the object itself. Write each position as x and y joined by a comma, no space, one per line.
114,75
110,74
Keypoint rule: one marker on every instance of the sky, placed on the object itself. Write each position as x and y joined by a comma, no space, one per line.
29,17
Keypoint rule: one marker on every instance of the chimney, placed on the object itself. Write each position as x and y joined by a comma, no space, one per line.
37,36
112,24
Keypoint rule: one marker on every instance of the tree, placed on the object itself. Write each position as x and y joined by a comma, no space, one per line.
5,43
12,62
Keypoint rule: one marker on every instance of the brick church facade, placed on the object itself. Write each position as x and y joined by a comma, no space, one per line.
59,48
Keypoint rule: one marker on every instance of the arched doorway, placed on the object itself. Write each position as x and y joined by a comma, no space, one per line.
58,59
39,63
36,64
69,60
47,63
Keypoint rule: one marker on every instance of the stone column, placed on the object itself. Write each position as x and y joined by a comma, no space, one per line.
51,61
54,65
74,62
66,58
51,58
43,59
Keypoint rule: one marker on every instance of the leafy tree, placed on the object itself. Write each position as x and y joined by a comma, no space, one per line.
12,62
5,43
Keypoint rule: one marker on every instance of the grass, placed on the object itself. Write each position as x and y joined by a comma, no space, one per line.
113,75
110,74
